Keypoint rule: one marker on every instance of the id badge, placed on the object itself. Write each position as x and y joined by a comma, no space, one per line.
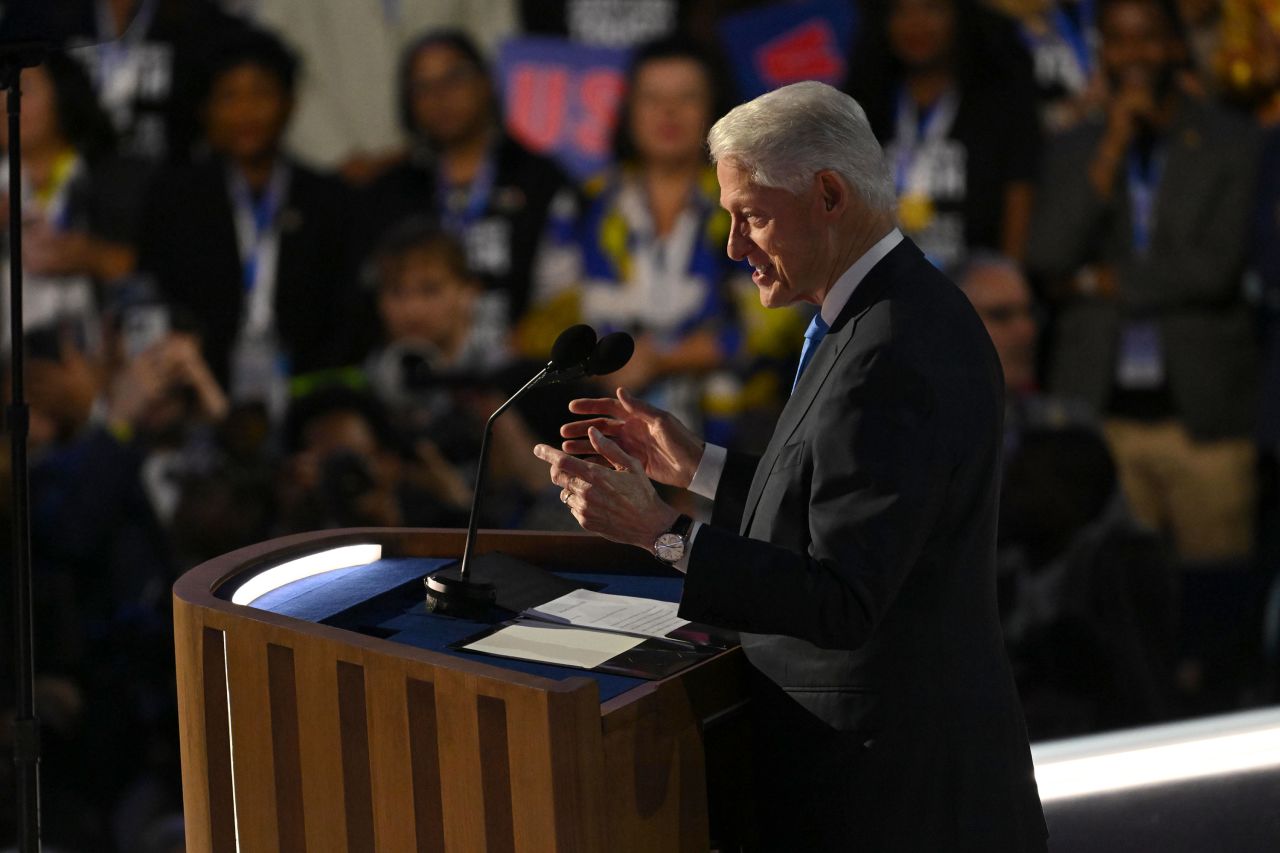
1140,366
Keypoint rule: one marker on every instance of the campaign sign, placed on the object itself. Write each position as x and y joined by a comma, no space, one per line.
775,45
561,99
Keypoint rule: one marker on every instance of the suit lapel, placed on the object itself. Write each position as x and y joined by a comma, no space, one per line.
814,378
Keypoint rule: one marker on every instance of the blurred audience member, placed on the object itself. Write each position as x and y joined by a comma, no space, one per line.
646,253
1087,601
347,115
1001,296
349,467
426,305
948,89
1062,36
100,495
1199,24
1140,236
127,440
142,55
251,242
466,173
80,203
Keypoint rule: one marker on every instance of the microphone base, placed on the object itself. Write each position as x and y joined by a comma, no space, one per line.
450,593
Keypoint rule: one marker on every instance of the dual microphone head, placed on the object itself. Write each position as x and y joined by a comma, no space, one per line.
576,353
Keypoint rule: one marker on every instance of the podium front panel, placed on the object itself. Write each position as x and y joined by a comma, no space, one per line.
300,735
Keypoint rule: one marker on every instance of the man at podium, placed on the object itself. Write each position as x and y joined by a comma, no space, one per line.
856,557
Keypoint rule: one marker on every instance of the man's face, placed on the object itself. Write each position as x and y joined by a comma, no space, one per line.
424,301
777,232
670,110
449,97
1003,301
247,112
921,32
1138,48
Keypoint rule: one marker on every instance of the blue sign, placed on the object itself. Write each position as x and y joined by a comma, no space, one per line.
561,99
773,46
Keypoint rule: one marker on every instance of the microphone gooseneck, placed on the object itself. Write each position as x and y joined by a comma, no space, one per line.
570,354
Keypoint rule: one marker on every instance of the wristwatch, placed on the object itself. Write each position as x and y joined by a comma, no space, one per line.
669,547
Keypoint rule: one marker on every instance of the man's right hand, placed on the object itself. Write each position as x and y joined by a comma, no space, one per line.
1132,105
669,450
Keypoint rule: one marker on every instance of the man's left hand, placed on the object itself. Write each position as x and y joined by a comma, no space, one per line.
617,502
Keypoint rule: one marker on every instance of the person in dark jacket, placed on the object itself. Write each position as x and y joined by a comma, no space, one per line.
856,556
1140,240
249,240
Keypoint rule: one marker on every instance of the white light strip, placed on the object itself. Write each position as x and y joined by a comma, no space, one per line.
304,567
1157,755
231,742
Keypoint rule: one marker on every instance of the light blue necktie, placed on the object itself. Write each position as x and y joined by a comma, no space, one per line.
812,337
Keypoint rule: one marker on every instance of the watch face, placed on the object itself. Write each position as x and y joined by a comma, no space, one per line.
669,547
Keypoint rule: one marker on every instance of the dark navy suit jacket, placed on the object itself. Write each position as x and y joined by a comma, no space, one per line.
857,558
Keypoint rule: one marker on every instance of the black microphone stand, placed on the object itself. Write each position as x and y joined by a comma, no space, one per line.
26,727
454,583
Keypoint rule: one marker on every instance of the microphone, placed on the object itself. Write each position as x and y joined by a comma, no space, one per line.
610,354
452,588
572,347
613,351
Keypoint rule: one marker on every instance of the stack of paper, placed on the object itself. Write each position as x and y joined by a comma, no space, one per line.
622,614
586,629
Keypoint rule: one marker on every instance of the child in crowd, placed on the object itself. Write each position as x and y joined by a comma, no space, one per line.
441,372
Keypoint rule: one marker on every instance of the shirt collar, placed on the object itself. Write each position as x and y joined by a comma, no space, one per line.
842,290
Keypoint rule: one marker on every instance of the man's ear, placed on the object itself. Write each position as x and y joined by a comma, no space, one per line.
834,190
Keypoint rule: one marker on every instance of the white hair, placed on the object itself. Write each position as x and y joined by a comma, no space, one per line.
785,137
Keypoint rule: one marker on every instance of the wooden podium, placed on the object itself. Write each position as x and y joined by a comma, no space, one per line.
300,736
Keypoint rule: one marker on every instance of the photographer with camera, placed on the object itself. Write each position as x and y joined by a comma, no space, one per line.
349,467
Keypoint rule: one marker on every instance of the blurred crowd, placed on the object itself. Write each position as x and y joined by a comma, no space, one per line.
283,258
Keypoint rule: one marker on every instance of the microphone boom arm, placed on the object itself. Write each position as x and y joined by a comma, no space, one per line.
481,467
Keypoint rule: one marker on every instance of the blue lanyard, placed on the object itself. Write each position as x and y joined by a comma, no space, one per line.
1144,184
1076,32
113,48
915,129
261,213
478,194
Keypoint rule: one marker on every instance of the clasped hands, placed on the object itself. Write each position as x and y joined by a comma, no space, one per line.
627,444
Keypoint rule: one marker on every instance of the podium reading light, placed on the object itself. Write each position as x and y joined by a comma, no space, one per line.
308,565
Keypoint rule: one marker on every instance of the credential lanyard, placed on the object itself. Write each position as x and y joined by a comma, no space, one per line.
113,48
1076,32
478,193
1144,185
258,236
915,131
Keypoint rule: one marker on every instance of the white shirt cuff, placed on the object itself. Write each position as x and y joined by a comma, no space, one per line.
707,478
